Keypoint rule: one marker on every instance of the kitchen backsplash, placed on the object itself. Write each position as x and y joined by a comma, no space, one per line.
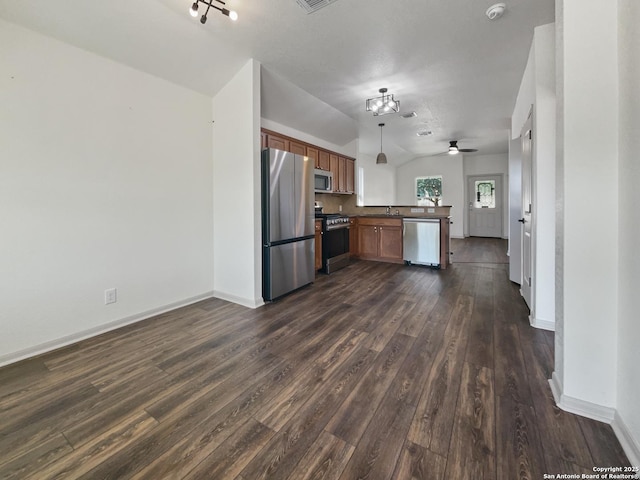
332,203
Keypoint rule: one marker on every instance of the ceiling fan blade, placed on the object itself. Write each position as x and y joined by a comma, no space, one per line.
467,150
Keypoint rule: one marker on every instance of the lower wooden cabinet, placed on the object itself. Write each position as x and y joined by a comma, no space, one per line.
318,244
353,237
445,243
380,239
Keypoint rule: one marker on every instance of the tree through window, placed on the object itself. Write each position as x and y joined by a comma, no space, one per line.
429,189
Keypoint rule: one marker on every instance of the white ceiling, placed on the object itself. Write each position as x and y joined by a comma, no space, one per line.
444,60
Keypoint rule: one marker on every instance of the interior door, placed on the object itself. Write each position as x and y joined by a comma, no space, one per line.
485,205
527,208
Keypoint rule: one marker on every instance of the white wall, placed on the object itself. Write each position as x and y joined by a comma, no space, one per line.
378,185
585,375
628,375
236,180
537,89
453,184
544,184
488,165
105,181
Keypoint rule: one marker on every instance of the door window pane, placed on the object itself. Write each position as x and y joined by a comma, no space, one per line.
485,194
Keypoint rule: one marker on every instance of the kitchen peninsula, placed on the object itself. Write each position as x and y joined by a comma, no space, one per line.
377,235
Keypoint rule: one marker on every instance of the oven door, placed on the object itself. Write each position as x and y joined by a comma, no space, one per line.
335,249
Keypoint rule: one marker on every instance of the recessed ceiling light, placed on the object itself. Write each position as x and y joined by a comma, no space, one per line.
409,115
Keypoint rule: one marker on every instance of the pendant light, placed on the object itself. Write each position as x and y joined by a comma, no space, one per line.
381,158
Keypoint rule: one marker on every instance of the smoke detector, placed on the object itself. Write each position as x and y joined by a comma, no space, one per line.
494,12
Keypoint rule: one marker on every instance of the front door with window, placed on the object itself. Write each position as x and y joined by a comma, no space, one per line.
485,205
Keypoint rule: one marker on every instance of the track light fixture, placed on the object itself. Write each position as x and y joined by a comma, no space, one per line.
383,104
211,4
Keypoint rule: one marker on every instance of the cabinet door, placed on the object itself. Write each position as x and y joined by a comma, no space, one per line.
318,246
342,174
350,181
277,142
323,160
445,240
334,166
367,241
297,148
390,243
353,237
312,153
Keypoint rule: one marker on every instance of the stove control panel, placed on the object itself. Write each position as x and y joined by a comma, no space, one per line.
337,221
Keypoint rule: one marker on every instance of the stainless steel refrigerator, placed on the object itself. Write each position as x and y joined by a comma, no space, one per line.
288,222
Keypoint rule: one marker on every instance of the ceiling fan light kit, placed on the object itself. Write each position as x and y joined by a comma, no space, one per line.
383,105
454,150
211,4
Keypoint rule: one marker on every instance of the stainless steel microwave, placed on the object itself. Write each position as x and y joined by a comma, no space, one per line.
323,181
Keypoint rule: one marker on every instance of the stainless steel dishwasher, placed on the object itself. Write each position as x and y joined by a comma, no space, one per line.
421,241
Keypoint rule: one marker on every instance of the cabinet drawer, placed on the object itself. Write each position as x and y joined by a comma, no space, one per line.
380,221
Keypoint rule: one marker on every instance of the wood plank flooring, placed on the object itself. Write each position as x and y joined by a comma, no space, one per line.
377,371
479,250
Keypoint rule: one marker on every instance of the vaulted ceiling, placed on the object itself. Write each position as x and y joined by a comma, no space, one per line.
458,70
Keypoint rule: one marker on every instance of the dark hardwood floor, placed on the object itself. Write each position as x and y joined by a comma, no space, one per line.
377,371
479,250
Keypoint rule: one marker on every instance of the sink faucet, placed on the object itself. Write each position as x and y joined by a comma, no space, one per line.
388,210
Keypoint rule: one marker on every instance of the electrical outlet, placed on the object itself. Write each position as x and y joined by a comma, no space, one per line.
339,208
431,210
417,210
110,296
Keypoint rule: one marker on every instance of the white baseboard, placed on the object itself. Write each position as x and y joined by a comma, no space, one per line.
98,330
580,407
630,445
245,302
542,324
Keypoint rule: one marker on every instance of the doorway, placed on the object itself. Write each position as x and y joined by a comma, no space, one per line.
485,205
527,204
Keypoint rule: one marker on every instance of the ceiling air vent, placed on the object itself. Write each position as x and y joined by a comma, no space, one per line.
314,5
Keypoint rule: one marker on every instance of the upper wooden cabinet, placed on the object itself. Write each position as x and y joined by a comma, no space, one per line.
277,142
312,153
342,168
334,166
323,160
350,181
297,148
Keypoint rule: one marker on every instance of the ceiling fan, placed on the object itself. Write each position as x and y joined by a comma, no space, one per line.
454,150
